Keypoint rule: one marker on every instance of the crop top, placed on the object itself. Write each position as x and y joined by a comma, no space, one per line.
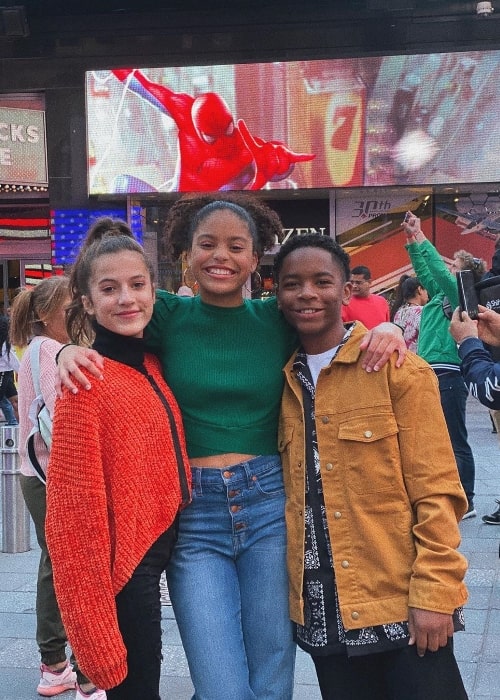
224,366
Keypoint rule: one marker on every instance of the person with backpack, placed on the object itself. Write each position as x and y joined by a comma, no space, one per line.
38,322
8,365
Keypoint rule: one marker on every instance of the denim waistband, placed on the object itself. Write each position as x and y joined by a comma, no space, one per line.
236,473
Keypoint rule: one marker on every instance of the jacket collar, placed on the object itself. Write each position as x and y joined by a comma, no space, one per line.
348,353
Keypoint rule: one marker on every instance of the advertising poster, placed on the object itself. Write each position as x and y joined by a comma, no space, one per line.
374,121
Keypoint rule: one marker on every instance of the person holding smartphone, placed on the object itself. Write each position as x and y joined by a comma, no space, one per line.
480,369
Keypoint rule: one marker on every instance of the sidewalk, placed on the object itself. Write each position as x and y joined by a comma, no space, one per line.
477,649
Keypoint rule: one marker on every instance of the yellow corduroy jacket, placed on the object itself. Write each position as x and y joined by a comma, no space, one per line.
392,492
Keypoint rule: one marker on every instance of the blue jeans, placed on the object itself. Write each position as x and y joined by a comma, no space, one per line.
8,411
228,583
453,400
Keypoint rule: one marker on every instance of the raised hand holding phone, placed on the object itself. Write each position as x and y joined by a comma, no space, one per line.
411,226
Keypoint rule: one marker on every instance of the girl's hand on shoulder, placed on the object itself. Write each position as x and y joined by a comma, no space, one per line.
69,361
379,344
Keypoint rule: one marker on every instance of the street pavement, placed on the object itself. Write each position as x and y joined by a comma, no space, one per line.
477,649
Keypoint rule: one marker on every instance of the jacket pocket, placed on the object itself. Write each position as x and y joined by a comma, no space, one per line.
370,450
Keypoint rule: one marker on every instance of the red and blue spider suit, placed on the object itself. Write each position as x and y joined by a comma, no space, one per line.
215,153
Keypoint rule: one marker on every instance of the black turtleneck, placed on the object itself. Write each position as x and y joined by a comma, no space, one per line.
122,348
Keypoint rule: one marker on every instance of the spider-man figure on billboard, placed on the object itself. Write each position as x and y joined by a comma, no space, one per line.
215,153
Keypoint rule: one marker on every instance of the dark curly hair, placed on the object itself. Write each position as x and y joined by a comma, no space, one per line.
178,229
312,240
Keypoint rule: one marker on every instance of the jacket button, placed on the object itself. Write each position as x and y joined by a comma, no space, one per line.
355,615
345,564
337,515
325,420
368,433
329,467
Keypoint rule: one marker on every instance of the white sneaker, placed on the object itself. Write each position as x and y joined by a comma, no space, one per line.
95,694
52,683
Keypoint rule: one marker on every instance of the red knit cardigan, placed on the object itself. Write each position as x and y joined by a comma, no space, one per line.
113,488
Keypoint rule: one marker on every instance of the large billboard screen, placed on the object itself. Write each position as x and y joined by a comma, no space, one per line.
394,120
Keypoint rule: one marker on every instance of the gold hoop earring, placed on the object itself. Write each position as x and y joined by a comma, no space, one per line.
188,278
255,287
257,284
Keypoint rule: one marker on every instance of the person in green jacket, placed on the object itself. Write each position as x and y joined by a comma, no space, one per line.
436,345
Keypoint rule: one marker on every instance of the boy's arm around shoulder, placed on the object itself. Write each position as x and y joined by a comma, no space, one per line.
433,486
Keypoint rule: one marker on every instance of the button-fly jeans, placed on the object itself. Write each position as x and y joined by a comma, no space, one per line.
228,583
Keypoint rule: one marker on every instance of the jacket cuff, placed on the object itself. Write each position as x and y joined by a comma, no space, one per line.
469,344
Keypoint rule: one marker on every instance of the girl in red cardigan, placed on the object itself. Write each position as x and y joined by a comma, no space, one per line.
118,475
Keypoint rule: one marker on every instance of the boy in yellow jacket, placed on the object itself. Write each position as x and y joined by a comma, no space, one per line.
373,500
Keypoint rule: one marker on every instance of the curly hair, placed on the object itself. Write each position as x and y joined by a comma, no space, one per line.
312,240
469,262
178,229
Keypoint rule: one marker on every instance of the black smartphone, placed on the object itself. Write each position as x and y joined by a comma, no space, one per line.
467,293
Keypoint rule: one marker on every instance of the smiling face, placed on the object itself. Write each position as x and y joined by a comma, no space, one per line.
311,291
222,257
121,294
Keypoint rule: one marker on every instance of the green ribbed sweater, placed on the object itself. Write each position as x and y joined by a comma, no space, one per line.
224,366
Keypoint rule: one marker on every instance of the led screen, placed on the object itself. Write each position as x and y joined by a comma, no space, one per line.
395,120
